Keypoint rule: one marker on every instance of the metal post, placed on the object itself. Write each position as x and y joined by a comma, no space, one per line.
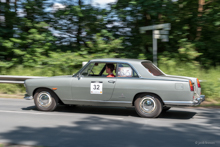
154,48
157,34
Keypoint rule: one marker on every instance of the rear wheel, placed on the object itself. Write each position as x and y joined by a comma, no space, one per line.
45,100
148,106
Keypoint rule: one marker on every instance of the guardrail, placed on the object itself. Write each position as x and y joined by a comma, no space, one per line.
16,79
20,79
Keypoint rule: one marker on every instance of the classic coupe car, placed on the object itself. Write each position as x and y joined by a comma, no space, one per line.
136,83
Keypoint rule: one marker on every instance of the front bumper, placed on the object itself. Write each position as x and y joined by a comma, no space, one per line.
28,97
197,101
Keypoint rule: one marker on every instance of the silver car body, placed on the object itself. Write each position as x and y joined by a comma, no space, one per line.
120,91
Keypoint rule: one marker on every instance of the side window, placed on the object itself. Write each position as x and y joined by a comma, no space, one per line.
152,69
125,70
97,69
87,70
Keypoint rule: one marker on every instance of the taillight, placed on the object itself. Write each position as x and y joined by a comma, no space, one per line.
198,83
191,85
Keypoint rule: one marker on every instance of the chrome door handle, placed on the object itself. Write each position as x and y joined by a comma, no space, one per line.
111,81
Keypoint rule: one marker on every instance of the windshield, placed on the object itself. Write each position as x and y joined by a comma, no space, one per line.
152,68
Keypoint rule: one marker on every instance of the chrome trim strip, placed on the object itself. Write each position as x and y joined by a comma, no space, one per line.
12,82
162,79
100,101
178,102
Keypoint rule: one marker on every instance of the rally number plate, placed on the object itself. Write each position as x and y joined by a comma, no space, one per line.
96,87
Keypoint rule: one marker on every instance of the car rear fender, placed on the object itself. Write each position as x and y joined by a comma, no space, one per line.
147,93
197,90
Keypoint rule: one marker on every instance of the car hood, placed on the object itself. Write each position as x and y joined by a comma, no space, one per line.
44,79
61,76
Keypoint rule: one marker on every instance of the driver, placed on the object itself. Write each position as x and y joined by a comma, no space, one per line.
109,69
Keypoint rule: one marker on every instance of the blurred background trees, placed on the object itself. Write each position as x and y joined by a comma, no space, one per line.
33,31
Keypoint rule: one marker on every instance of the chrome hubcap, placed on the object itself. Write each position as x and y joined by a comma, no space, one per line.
147,105
44,99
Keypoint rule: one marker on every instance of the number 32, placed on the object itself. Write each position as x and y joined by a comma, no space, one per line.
96,87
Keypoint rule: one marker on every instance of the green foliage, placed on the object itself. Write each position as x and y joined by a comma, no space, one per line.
104,43
199,28
186,55
77,24
187,51
12,88
32,47
100,48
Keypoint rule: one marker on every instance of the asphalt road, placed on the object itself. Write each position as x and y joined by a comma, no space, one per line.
84,126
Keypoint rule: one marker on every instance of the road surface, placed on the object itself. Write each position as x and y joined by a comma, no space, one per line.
87,126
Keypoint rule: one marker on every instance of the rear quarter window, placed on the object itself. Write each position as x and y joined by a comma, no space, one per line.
152,68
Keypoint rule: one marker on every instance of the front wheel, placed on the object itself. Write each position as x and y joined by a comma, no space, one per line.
148,106
45,100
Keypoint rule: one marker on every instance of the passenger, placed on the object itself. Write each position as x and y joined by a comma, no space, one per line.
109,69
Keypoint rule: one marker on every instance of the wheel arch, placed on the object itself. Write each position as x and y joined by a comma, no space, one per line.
149,93
59,100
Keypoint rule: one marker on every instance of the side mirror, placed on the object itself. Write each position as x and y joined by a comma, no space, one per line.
78,76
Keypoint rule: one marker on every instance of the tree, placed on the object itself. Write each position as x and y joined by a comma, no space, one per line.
77,23
209,41
185,20
31,39
8,18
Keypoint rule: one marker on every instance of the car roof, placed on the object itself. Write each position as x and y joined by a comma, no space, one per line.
119,60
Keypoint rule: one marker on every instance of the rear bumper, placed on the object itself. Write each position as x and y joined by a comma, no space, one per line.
195,102
27,97
199,100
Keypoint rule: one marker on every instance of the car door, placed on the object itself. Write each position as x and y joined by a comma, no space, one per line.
127,83
92,84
